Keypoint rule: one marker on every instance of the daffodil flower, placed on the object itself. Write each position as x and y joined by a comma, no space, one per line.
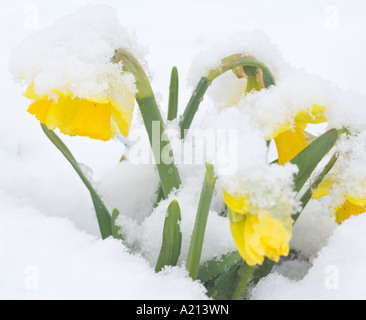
351,205
291,138
96,117
256,232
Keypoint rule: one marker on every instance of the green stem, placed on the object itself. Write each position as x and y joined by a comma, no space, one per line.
227,64
154,124
192,106
198,234
245,272
172,114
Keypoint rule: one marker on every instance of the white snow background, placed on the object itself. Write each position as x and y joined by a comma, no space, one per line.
49,238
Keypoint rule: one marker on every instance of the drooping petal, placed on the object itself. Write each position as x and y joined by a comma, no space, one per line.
358,201
324,188
312,115
123,102
122,120
236,203
289,144
346,210
40,109
30,93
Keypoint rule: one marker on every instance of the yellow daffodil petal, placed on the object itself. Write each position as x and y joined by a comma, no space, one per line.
237,204
62,114
40,109
274,237
31,94
122,123
312,115
92,120
94,117
358,201
324,188
346,210
283,128
289,144
257,237
237,231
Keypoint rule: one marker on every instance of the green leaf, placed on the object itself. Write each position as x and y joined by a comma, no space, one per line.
309,192
309,158
212,268
172,238
263,270
115,229
173,95
103,216
198,233
192,106
222,287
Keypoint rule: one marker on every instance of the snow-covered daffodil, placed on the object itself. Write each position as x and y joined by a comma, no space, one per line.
350,206
291,138
256,232
96,117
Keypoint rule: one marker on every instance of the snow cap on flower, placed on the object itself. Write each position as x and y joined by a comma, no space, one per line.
68,71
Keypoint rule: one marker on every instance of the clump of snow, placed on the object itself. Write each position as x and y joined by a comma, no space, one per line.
255,43
74,56
337,273
131,188
48,258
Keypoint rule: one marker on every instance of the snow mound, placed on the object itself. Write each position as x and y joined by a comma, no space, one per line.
48,258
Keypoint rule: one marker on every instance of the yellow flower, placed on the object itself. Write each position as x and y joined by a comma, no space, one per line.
351,206
94,117
255,232
290,138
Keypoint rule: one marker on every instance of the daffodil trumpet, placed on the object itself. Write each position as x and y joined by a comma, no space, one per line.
96,117
228,63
